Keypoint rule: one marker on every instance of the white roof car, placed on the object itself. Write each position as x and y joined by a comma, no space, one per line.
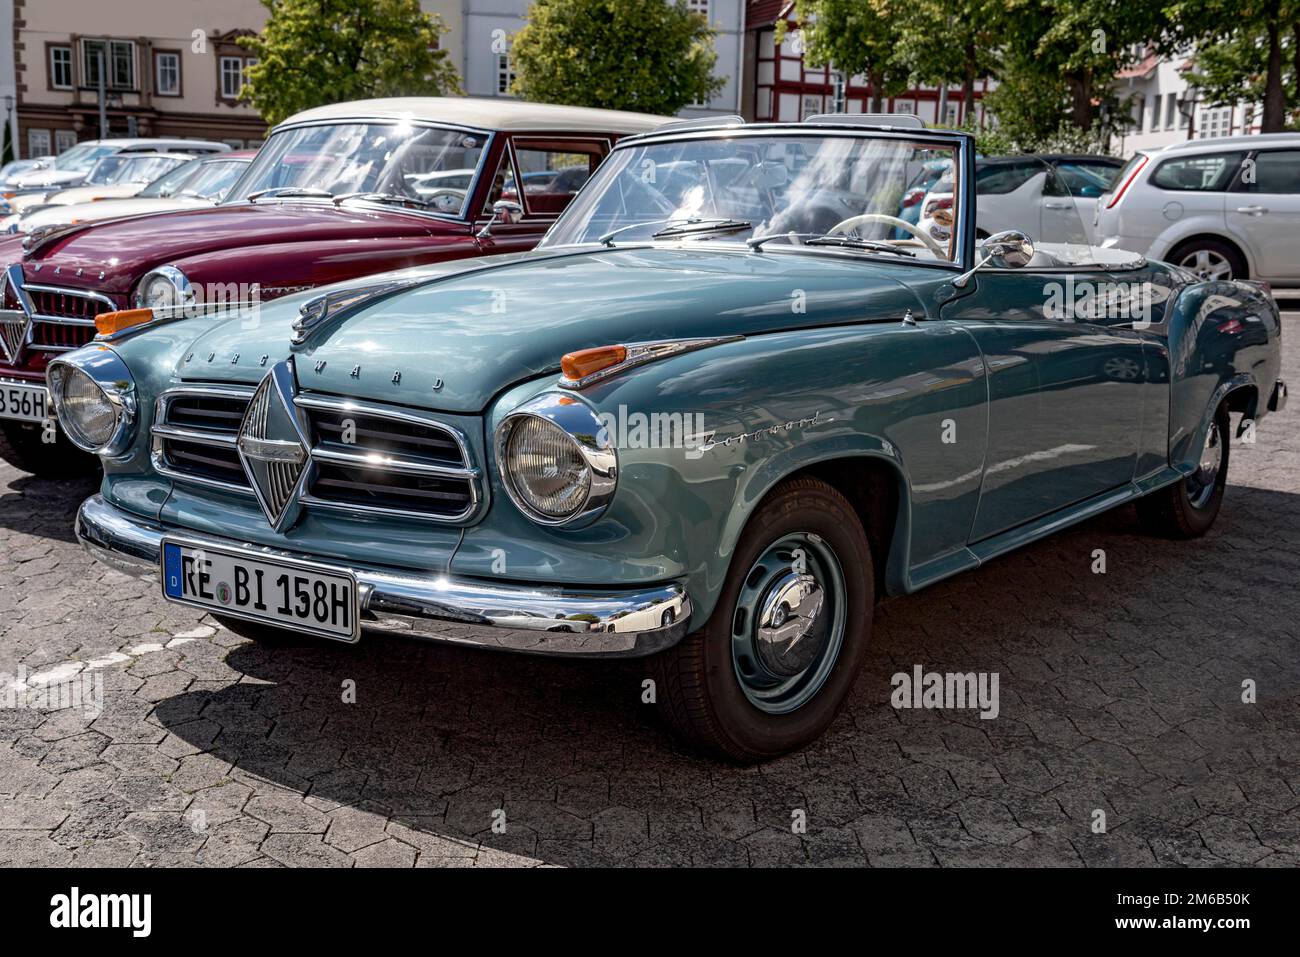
200,182
1224,208
485,114
72,166
117,176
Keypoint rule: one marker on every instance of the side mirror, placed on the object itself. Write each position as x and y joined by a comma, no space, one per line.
503,211
1010,249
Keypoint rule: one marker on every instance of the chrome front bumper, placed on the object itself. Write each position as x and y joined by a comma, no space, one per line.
511,617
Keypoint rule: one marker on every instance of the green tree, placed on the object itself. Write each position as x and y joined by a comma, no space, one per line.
314,52
859,38
644,55
1243,50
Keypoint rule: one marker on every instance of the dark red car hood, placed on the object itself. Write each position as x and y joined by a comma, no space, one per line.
124,249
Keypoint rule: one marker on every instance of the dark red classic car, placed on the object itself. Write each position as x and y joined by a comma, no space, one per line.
336,192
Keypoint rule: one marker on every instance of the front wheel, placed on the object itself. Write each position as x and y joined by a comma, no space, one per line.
24,447
1188,508
778,656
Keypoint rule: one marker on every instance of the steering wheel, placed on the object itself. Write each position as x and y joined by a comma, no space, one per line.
853,222
456,195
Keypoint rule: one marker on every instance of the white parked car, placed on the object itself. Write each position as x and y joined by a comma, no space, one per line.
1052,196
72,166
113,177
198,182
1226,208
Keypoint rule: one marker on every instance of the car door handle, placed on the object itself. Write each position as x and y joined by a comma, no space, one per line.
1058,205
1253,210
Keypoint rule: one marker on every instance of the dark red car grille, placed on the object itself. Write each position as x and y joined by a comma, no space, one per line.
67,305
46,334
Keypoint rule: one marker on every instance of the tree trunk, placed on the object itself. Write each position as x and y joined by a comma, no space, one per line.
1274,96
1081,108
877,79
968,82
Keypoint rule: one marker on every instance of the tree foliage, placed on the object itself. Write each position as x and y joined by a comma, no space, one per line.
643,55
857,37
314,52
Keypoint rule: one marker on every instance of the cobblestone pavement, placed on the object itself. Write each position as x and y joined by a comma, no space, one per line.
1121,693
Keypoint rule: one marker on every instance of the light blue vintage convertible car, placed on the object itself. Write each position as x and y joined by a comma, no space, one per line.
731,402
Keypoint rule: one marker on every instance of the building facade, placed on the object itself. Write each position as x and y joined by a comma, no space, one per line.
1165,109
489,24
781,87
171,68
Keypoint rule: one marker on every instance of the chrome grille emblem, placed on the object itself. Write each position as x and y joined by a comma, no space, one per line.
273,444
14,323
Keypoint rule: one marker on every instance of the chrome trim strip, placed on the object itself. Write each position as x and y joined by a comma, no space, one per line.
79,293
587,623
197,436
388,463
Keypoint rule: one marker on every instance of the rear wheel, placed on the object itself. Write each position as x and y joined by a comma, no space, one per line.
1188,508
1210,259
23,446
778,656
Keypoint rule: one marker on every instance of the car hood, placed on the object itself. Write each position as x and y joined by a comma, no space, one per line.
467,330
41,179
130,247
90,212
85,194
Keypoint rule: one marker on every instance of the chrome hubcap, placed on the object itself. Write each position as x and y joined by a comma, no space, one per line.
1207,264
1201,483
788,624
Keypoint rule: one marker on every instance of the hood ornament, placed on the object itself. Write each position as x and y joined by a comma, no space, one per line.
319,310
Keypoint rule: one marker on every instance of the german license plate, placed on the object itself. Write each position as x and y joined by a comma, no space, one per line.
26,403
293,595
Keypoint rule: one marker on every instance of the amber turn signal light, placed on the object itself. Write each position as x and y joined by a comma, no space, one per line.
110,323
585,362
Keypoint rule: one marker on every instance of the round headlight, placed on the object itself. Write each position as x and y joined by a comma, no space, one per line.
164,288
556,460
547,468
85,411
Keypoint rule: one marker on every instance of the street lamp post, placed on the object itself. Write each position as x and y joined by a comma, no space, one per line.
8,150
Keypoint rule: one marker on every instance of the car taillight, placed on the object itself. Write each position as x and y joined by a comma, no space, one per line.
1131,176
913,197
944,202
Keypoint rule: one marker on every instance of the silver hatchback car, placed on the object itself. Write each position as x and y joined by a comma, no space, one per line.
1224,208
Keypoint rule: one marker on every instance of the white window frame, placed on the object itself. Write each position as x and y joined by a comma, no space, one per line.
158,58
699,6
54,84
64,140
38,143
238,75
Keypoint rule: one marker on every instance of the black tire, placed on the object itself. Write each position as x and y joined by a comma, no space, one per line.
1212,249
267,635
1173,511
699,690
21,445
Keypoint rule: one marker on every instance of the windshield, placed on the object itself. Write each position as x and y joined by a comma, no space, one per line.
850,192
128,168
388,159
214,179
171,181
81,158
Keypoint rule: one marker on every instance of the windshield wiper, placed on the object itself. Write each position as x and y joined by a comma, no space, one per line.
703,226
850,243
278,191
375,197
689,221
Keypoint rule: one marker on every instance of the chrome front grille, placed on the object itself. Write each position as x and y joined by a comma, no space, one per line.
365,458
61,319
